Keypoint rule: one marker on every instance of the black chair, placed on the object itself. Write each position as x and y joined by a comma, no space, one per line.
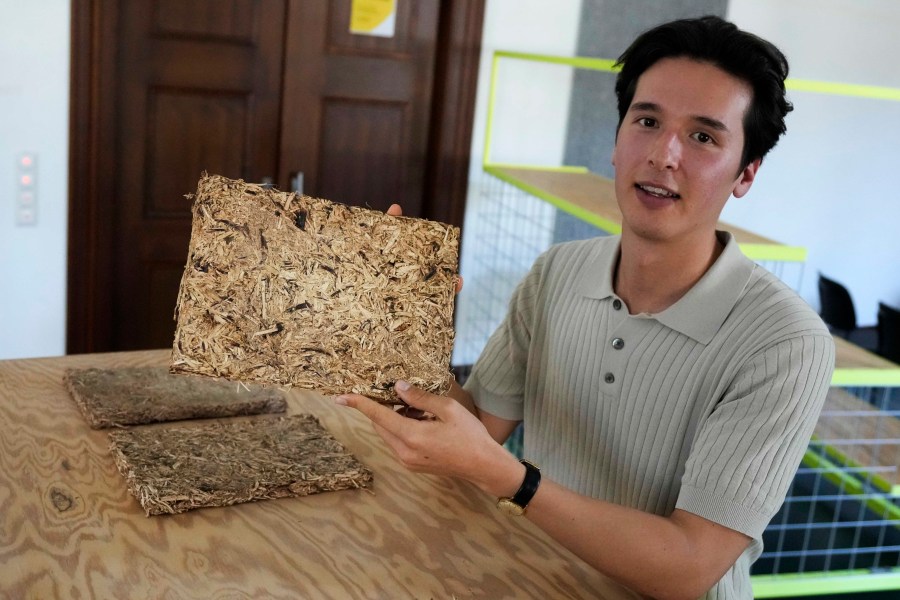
838,312
889,332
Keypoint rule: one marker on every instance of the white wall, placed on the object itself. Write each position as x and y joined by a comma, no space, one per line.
34,105
829,185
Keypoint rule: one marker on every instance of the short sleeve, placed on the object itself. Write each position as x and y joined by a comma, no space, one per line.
746,453
497,381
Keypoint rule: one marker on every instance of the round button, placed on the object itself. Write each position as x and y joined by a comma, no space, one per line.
617,304
609,378
618,343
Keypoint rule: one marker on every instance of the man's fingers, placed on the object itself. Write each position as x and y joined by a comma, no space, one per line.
398,432
411,412
420,399
395,443
377,413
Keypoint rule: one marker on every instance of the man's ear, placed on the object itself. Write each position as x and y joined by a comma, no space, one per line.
615,144
745,178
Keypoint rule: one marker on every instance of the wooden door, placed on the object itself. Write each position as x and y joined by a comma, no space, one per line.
356,107
198,87
250,89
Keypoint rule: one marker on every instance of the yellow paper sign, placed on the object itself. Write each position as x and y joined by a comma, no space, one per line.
373,17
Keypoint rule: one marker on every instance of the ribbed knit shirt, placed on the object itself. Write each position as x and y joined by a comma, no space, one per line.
707,406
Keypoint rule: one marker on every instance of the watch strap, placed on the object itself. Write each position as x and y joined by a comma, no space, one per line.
529,485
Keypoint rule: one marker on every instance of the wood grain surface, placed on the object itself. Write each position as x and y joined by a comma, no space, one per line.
70,529
851,356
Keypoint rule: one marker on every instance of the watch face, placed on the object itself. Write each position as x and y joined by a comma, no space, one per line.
509,508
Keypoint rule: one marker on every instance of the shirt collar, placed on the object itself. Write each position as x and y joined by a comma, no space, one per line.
596,277
700,313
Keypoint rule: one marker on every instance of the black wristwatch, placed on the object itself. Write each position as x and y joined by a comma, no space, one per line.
515,506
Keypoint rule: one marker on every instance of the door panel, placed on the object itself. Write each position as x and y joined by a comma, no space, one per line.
361,150
192,121
209,20
162,278
198,90
357,108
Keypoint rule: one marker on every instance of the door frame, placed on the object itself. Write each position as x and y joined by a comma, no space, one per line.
92,152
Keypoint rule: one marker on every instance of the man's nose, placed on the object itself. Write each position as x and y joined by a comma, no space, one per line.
666,152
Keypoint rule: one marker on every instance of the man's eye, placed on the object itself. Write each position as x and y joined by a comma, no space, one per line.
703,138
647,122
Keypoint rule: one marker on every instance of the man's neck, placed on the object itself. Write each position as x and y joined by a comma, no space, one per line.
652,276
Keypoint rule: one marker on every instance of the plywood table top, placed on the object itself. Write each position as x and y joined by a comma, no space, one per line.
70,529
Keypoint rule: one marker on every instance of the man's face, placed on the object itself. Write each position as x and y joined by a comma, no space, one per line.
679,149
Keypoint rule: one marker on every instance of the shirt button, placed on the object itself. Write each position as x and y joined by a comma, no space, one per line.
609,378
618,343
617,304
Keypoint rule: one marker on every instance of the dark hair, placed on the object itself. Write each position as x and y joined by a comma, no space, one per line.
739,53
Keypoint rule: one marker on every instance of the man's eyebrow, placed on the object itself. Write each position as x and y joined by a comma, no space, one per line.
714,124
646,106
711,123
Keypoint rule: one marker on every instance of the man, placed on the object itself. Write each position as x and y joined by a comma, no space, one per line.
668,385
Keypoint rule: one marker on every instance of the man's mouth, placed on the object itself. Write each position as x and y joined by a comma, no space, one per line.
656,191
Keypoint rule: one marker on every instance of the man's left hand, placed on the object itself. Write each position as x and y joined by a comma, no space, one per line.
455,443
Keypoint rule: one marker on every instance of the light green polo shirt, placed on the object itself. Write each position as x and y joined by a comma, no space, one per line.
707,406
